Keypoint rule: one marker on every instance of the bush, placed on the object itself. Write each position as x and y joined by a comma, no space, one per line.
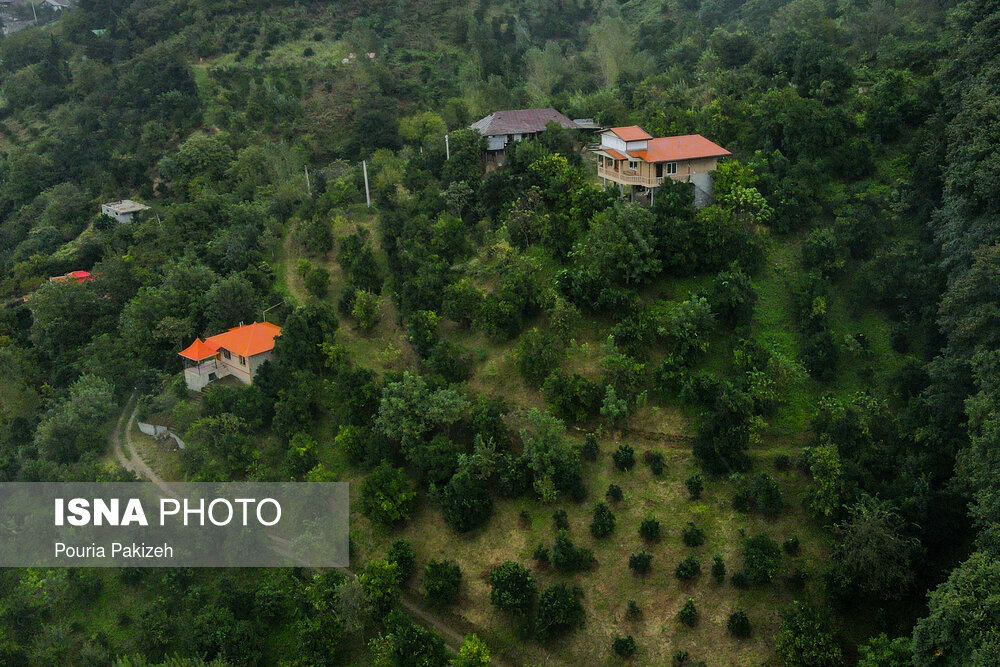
783,462
604,521
591,448
573,397
538,354
732,297
687,569
365,309
739,580
695,486
632,610
761,559
623,646
401,553
442,582
624,457
560,520
559,610
386,495
614,492
649,529
792,546
805,638
718,569
688,613
317,282
465,503
692,535
657,464
567,557
767,495
512,587
641,562
541,555
681,657
738,624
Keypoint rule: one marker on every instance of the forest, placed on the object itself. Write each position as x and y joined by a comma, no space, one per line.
577,429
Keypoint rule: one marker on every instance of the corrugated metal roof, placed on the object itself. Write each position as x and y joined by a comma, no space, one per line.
520,121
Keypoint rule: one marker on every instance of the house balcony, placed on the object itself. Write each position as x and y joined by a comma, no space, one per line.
627,176
199,375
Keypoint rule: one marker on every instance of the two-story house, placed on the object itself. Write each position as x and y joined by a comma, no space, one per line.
239,352
630,156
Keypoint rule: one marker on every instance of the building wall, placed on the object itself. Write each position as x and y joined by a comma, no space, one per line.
496,143
257,360
611,141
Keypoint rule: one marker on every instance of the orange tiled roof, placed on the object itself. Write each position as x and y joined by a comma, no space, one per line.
613,153
686,147
246,340
631,133
198,350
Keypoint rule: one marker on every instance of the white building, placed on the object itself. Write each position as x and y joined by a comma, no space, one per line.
123,209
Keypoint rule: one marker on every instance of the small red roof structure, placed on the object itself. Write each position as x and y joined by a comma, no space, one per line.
613,153
245,340
686,147
198,351
631,133
77,276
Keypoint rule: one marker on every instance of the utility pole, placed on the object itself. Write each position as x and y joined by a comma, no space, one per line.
308,187
263,313
34,13
368,197
447,148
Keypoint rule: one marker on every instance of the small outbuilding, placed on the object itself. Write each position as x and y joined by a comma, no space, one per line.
123,209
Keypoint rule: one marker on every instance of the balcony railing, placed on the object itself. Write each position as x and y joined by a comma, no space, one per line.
628,177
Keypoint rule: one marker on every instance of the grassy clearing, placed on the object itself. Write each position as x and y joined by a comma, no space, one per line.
607,588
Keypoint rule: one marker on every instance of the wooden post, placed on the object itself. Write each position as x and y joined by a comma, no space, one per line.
447,148
368,197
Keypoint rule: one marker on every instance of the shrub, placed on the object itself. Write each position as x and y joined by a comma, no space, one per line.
687,569
512,587
718,569
401,553
792,546
641,562
465,503
761,559
695,486
738,624
541,555
688,613
538,354
386,495
604,521
614,492
681,657
797,579
767,495
805,638
567,557
572,397
692,535
783,462
365,309
317,282
591,448
632,610
649,529
442,582
624,457
739,580
308,52
657,464
559,610
560,520
623,646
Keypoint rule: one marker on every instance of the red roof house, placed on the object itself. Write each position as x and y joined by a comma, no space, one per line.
239,352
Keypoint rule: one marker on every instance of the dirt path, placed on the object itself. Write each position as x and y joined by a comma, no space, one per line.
125,451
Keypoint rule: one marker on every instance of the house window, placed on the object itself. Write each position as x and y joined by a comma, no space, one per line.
226,355
243,361
670,167
633,164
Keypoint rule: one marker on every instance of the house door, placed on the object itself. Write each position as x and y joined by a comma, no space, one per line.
659,170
